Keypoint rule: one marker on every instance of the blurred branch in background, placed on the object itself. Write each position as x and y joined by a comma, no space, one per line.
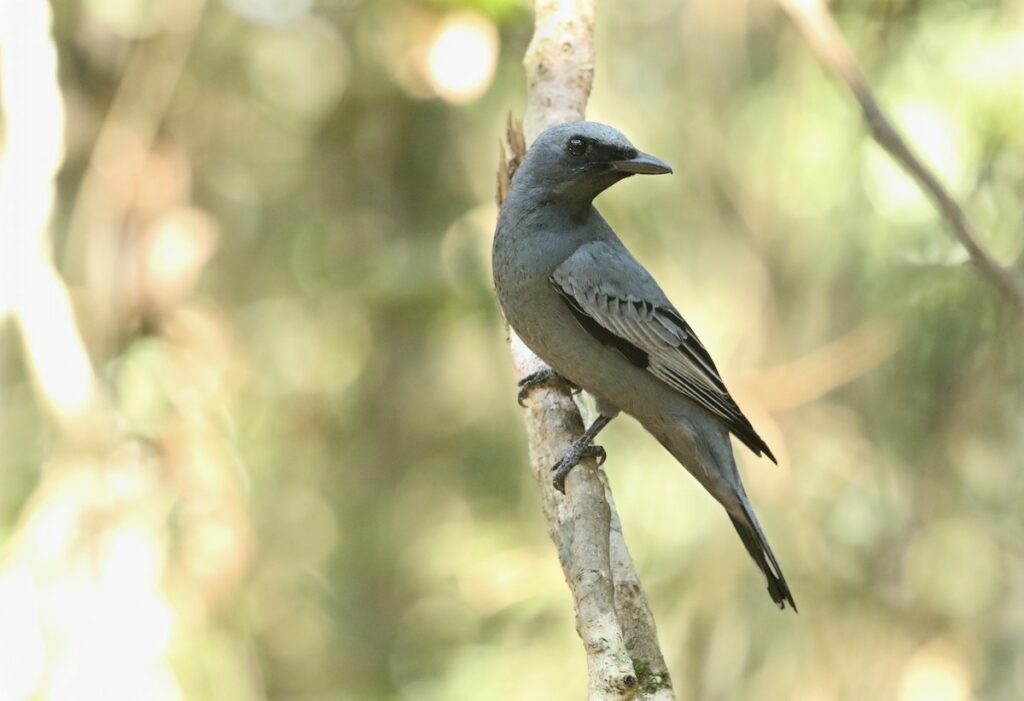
612,616
837,363
30,288
821,32
115,180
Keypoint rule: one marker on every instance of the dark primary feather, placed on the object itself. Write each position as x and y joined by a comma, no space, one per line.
757,545
633,354
643,325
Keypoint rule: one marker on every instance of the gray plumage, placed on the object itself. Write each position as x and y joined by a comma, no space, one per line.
585,306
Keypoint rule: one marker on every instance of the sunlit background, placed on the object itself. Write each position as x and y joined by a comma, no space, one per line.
258,431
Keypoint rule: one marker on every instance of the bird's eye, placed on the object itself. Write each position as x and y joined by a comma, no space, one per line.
576,147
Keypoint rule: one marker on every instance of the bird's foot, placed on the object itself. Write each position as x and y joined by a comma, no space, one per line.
542,378
578,450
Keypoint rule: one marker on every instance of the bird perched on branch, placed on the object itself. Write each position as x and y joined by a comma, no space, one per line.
585,306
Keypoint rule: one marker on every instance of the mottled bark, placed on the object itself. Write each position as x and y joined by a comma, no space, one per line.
613,620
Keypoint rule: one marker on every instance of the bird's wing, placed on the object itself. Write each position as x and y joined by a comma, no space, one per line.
618,302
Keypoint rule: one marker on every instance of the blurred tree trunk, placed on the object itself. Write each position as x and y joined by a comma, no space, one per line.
132,495
612,617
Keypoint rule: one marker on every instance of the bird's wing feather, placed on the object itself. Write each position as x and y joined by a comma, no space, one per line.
618,302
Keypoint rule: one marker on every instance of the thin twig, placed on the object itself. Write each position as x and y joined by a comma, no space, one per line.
818,26
612,616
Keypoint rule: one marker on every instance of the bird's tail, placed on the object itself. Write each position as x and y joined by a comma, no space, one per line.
757,545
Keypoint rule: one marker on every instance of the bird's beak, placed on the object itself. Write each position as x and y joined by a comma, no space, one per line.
642,164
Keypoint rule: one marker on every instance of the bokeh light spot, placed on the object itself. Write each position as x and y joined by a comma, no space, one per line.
461,58
271,11
303,69
935,674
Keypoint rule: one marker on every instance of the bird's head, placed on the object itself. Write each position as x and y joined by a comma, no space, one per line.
579,160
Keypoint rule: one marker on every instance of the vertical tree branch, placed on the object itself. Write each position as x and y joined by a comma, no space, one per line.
612,617
819,28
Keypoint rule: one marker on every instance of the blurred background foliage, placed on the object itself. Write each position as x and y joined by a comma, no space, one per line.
300,473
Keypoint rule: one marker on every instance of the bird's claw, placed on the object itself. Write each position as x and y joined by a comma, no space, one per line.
542,378
572,458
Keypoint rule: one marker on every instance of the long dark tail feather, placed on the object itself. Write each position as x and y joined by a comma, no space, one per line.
757,545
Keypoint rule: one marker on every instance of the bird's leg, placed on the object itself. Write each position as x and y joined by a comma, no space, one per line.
580,448
542,378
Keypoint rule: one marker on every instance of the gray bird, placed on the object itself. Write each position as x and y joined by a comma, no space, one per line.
585,306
